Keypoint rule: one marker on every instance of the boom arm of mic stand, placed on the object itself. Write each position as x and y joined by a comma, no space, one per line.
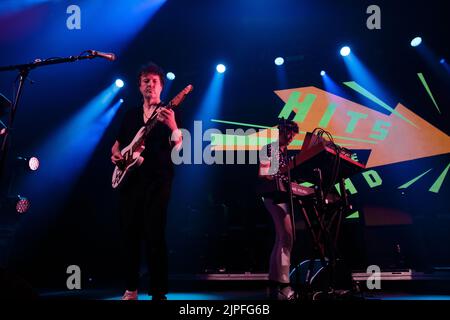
39,62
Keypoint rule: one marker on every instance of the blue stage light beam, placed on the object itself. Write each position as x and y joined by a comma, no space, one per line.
445,65
332,86
122,19
210,104
99,126
282,79
11,6
106,26
209,108
361,74
433,61
65,154
165,94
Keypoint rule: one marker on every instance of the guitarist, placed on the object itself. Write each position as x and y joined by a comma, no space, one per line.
144,198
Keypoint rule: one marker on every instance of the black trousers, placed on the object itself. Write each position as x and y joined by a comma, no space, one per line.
143,216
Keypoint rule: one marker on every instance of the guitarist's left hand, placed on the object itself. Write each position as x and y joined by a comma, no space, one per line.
167,116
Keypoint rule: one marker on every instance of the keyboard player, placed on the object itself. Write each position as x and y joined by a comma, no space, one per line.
280,258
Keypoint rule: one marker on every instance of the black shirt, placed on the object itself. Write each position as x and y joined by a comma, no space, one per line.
158,146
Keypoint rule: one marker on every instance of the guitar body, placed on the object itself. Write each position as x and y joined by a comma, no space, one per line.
131,159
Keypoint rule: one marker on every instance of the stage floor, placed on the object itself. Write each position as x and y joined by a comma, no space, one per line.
252,287
240,295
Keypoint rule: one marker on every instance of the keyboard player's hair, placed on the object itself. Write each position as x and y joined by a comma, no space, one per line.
289,125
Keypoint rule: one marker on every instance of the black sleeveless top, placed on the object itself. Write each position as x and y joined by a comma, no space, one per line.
276,153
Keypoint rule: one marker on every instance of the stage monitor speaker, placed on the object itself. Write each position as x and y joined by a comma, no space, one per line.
322,278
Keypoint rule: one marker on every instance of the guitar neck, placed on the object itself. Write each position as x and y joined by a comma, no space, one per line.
152,121
149,125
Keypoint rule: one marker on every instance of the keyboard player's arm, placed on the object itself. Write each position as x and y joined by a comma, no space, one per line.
263,172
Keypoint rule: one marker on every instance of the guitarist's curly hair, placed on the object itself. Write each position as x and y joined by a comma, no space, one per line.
151,68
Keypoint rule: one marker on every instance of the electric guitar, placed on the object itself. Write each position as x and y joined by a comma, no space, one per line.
132,153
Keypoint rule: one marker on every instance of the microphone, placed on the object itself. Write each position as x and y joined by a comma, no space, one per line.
106,55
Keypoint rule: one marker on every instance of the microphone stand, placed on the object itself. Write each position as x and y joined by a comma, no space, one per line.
24,70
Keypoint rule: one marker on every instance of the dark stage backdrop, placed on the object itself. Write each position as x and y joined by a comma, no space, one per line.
217,222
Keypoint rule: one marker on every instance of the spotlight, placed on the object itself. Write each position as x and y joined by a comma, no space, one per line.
221,68
31,163
345,51
22,204
322,73
170,75
416,41
442,61
119,83
279,61
121,100
17,204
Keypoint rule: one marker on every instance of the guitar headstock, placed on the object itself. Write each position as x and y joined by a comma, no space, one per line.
180,96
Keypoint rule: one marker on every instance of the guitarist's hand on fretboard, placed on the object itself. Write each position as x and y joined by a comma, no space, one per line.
167,116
